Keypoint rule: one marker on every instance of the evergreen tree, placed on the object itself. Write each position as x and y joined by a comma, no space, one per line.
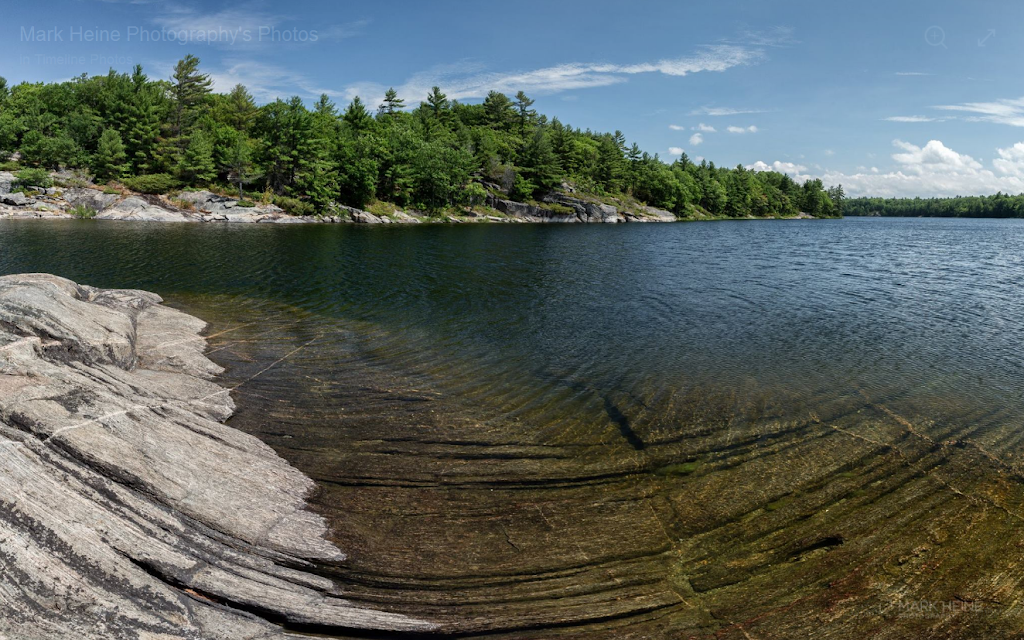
109,160
498,110
525,113
357,118
188,93
392,103
540,164
196,164
238,109
238,163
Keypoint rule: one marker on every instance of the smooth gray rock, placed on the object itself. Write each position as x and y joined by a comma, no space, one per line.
127,510
15,199
136,208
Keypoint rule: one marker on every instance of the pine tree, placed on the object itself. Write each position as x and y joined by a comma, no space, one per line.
109,160
188,93
143,120
438,103
498,110
196,164
392,103
526,114
356,117
540,164
238,163
239,108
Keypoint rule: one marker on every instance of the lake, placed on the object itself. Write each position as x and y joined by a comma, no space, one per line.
750,428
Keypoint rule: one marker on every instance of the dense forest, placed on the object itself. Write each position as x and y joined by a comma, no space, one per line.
159,135
998,206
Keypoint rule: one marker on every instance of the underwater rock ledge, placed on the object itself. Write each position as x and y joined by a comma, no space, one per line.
127,509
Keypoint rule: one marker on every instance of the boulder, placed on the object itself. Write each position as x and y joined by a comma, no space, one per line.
16,199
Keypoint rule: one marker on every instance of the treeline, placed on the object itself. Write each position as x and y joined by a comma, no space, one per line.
157,135
1000,205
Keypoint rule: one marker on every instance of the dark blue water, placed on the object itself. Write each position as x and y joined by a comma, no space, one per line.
896,304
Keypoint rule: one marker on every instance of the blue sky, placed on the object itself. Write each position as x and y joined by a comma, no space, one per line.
887,98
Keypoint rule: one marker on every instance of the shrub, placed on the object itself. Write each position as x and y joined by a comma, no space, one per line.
33,178
10,165
157,183
187,205
294,206
111,191
83,212
245,203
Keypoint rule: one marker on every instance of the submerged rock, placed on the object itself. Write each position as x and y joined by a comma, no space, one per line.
127,510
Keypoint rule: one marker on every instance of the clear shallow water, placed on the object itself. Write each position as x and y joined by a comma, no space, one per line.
519,426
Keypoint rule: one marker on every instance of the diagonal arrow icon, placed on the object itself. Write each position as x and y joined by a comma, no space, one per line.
982,41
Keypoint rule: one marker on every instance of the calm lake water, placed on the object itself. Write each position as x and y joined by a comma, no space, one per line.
636,427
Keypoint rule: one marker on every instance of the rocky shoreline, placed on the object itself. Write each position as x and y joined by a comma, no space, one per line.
128,509
205,206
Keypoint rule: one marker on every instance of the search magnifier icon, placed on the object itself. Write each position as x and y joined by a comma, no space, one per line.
935,36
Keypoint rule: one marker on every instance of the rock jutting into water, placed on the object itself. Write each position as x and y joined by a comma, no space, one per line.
127,510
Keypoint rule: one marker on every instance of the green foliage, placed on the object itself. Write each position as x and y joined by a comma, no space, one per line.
294,206
1000,205
83,212
245,203
33,178
196,165
436,156
109,159
155,183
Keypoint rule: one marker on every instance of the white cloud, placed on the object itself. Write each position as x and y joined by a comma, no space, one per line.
696,139
912,119
676,127
829,152
781,167
706,128
1010,161
750,129
1007,111
723,111
675,151
931,170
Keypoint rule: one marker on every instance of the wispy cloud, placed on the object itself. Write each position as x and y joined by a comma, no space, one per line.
468,80
750,129
675,151
696,139
1006,111
706,128
676,127
913,73
723,111
780,36
912,119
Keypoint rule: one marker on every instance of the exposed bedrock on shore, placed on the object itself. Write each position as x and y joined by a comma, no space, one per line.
127,509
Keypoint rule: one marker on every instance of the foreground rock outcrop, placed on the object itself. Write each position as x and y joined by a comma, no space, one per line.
127,510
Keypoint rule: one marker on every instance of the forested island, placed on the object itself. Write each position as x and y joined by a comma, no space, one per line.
165,136
1000,205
